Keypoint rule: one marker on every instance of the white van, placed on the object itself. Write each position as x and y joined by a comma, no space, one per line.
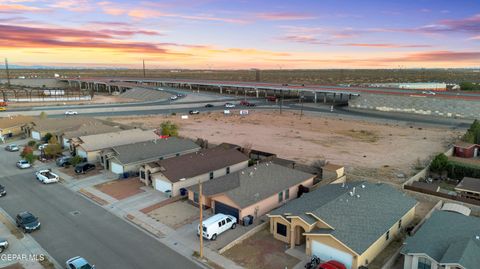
216,225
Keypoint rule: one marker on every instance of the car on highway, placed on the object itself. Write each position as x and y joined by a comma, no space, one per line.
246,103
62,161
209,105
179,95
193,112
27,222
84,167
3,192
3,244
12,147
429,92
173,97
46,176
71,112
23,164
229,105
78,263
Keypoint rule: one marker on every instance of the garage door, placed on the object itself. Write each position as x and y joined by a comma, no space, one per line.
116,168
36,135
163,186
327,253
226,209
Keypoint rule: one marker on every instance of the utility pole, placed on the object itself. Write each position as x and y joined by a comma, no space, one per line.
301,109
143,68
8,73
201,217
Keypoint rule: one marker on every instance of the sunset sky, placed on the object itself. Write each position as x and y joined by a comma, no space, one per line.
210,34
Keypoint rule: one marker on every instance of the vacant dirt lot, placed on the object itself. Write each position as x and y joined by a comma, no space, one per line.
176,214
121,188
366,148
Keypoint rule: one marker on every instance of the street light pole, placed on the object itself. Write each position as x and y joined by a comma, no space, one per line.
201,217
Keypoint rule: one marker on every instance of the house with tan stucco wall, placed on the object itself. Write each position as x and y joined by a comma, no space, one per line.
351,222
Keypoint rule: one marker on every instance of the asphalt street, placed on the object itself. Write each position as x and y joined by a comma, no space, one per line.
74,226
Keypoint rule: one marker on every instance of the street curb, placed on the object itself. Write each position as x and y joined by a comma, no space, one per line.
132,219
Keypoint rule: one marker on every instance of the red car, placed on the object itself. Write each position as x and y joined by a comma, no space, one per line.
271,98
332,265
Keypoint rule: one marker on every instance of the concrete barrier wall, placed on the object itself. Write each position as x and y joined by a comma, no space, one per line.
423,173
424,105
244,236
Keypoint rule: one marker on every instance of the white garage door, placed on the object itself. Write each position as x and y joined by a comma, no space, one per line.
327,253
162,186
36,135
116,168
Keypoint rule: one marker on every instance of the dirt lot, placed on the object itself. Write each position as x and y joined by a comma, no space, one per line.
176,214
366,148
121,188
261,251
97,99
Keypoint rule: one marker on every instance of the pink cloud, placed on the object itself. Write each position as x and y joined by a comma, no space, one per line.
284,16
384,45
18,8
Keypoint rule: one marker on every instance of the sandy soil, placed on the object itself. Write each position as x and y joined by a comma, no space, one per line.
176,214
365,148
121,189
97,99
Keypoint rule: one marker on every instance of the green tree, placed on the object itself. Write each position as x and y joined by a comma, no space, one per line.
26,150
439,163
30,158
47,137
32,143
169,128
53,149
469,86
473,133
76,160
43,115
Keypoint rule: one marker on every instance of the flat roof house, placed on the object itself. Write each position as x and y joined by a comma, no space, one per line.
12,126
171,175
446,240
469,188
252,191
89,129
128,158
351,223
90,146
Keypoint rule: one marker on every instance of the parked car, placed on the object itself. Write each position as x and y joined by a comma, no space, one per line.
84,167
12,147
246,103
209,105
78,263
3,244
71,112
3,192
62,161
23,164
193,112
217,224
229,105
27,222
46,176
174,97
332,265
42,146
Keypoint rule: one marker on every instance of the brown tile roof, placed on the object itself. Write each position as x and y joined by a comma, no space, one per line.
8,122
108,140
201,162
469,184
91,128
61,125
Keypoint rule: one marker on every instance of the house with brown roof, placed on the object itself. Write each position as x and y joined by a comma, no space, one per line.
39,128
12,126
173,174
465,150
91,128
253,191
469,188
90,146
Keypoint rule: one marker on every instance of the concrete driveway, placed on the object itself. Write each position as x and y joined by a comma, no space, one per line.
74,226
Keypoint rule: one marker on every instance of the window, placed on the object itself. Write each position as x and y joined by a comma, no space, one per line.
211,175
228,170
280,197
229,220
400,224
219,224
287,194
387,236
195,197
223,222
424,263
142,174
281,229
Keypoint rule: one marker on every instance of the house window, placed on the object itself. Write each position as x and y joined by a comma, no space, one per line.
281,229
228,170
387,236
195,197
400,224
424,263
280,197
211,175
142,174
287,194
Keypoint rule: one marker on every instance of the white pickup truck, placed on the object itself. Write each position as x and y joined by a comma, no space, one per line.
46,176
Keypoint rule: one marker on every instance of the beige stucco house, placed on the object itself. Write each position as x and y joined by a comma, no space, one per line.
171,175
351,223
252,191
12,126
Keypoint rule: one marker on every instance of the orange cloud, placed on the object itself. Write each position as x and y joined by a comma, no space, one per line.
284,16
18,8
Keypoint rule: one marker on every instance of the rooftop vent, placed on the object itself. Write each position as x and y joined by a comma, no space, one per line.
363,186
358,195
250,174
477,237
351,193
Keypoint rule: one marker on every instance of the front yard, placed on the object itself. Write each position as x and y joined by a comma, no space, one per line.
121,188
176,214
261,251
